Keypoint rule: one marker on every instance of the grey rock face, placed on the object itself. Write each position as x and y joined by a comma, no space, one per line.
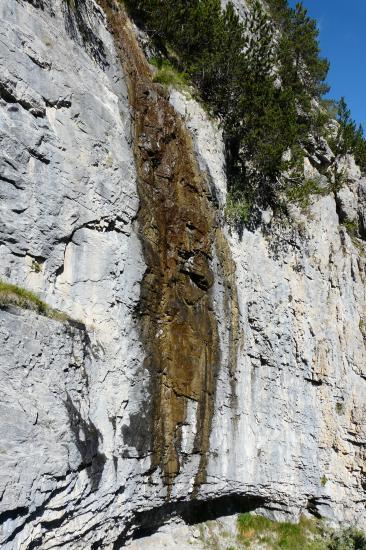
50,447
295,433
68,200
288,432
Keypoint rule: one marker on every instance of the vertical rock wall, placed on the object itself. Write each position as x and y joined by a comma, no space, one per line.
68,204
213,372
296,437
140,280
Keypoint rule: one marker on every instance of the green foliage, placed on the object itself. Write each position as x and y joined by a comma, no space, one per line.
36,266
331,107
168,75
301,193
350,138
233,64
301,66
252,522
348,539
323,480
258,531
360,150
351,227
346,136
25,299
308,534
337,176
238,208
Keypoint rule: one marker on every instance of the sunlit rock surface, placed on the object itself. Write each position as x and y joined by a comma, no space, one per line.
287,425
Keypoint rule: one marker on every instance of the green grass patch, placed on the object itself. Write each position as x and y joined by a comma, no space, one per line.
168,75
351,227
308,534
20,297
238,208
259,531
301,194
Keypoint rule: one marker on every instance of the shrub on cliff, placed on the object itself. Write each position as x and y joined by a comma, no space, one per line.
350,138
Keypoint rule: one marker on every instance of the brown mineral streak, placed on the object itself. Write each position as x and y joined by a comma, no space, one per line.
177,229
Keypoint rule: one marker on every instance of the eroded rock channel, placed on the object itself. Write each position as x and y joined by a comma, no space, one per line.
179,231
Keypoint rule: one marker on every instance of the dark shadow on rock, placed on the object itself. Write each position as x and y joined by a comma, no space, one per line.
79,28
191,512
88,444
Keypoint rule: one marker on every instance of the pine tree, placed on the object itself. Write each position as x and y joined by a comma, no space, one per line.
350,139
310,66
347,133
360,149
301,65
257,78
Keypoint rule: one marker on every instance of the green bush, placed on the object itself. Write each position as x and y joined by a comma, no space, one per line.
168,75
238,208
350,138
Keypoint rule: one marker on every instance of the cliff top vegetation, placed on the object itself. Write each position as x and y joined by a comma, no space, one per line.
263,77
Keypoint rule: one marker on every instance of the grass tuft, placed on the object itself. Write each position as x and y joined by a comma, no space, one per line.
20,297
168,75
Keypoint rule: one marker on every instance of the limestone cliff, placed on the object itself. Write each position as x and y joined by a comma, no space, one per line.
208,372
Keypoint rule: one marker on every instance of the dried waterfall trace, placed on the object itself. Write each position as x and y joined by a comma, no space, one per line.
178,230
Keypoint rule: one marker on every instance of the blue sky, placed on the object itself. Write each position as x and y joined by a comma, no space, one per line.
342,25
